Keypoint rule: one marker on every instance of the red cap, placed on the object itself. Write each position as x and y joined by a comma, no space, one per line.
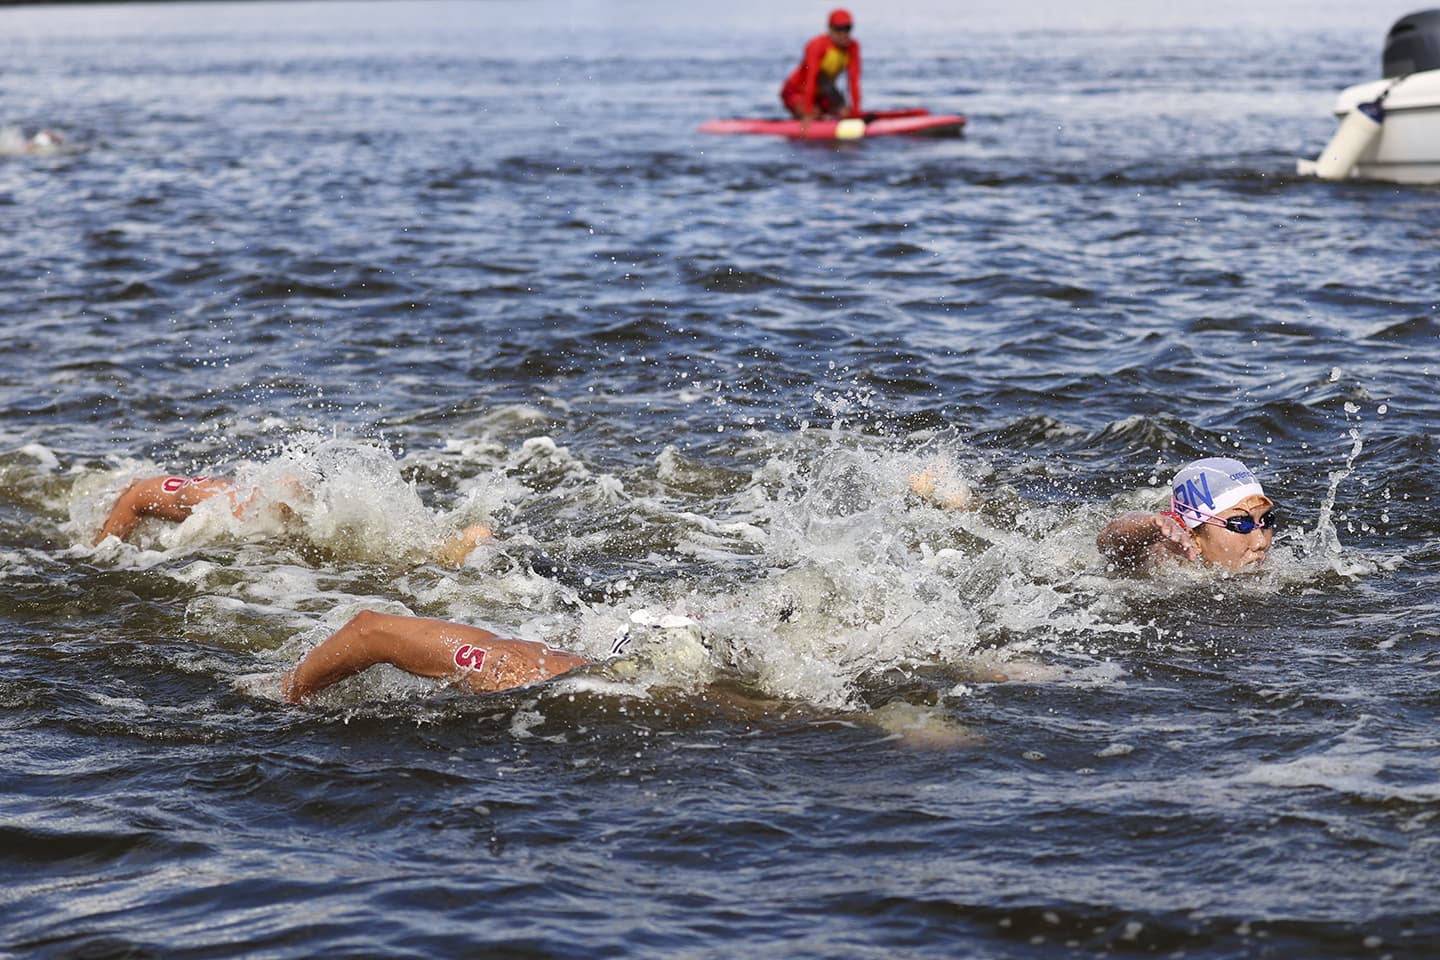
841,18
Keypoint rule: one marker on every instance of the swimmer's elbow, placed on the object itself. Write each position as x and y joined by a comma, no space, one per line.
1109,545
1121,555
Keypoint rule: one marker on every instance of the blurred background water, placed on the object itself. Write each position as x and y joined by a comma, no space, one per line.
457,262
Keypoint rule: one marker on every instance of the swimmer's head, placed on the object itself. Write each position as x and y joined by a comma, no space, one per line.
1205,488
1226,509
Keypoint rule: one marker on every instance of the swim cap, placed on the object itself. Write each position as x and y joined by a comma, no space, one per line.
841,18
1212,485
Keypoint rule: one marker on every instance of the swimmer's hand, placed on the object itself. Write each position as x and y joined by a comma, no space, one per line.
1174,536
289,691
1127,540
452,552
937,484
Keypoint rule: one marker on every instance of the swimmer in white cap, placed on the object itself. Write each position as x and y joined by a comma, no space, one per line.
1219,514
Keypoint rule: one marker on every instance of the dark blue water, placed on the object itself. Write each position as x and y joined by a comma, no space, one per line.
447,263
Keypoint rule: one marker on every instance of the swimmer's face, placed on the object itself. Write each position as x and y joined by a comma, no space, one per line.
1236,551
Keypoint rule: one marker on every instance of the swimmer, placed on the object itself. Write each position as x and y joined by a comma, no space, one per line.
175,499
468,657
14,143
1219,515
45,141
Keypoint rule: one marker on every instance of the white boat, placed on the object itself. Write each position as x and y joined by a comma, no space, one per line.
1390,128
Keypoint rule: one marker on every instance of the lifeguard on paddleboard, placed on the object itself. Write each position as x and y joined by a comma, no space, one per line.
818,108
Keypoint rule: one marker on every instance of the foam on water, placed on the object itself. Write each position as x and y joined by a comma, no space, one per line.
16,564
1358,771
350,498
848,585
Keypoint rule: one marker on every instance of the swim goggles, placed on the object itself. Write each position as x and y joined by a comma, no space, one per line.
1242,524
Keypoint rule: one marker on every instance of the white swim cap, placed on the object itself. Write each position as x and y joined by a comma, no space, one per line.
1210,486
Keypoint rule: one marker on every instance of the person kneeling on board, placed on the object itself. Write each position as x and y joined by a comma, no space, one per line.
468,657
1219,515
810,92
175,498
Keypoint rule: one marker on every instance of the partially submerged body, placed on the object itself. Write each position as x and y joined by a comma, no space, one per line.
174,499
1219,515
14,143
481,662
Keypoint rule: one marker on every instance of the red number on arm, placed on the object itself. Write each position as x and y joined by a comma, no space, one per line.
469,657
173,484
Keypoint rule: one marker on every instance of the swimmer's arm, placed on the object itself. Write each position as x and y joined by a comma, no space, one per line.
416,645
151,498
452,552
437,649
1129,540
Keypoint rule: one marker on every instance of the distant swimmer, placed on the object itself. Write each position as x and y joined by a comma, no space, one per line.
174,499
46,141
810,92
1219,515
13,142
468,657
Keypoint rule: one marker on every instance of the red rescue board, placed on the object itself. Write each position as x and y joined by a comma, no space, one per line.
917,121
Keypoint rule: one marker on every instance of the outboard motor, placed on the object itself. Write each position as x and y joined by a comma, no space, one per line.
1412,45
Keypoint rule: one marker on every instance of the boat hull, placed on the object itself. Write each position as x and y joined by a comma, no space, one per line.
1408,147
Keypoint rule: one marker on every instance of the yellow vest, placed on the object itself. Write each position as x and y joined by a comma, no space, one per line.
834,62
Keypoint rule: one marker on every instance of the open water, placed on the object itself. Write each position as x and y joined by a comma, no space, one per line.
443,263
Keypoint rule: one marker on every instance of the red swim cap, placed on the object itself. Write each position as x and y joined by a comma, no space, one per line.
841,18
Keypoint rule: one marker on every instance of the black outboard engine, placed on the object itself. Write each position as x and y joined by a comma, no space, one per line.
1413,44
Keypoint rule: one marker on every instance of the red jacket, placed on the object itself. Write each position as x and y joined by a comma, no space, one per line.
822,55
